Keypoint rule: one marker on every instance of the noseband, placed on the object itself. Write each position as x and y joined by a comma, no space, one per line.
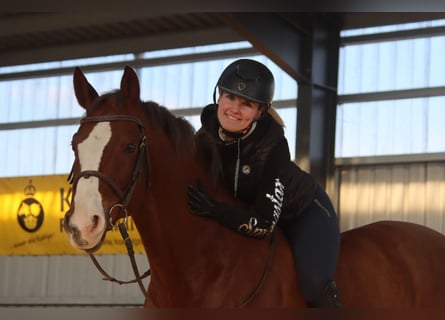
124,195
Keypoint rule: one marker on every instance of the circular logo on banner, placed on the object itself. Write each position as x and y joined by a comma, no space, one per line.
30,213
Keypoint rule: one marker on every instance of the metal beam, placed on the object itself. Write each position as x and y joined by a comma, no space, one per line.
272,35
393,36
135,63
390,159
392,95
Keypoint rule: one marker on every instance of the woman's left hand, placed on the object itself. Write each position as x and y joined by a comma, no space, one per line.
200,203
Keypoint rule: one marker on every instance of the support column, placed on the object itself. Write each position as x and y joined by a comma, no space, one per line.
317,101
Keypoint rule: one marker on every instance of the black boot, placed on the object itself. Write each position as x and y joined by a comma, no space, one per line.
329,297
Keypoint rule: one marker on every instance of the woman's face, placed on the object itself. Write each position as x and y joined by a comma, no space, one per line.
236,113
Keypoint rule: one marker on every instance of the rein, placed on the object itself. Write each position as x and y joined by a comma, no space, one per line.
268,266
124,195
129,244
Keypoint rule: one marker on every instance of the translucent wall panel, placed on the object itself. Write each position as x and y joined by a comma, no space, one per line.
38,99
393,126
188,85
103,82
39,151
390,127
394,65
392,28
196,49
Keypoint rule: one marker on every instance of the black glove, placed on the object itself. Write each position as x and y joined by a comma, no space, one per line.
234,218
200,203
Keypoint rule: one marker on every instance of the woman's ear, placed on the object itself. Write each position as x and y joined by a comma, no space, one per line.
261,111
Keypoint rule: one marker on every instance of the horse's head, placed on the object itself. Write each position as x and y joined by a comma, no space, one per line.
110,153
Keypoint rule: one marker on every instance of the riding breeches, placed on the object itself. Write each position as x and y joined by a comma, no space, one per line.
315,240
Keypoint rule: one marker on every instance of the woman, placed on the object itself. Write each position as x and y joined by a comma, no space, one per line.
256,166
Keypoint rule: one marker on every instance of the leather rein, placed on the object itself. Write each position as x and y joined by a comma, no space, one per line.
124,195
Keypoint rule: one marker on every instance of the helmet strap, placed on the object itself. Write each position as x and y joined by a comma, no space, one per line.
214,94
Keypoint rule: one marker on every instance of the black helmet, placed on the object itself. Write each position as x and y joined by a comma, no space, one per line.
249,79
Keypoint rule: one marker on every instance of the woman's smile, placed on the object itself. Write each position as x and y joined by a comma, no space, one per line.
232,117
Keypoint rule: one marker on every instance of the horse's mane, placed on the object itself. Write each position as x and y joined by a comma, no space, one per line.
183,136
178,129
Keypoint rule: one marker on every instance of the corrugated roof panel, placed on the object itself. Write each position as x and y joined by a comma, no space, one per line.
103,30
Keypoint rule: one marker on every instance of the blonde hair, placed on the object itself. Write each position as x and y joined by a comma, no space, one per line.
273,112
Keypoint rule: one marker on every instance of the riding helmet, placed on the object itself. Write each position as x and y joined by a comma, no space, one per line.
249,79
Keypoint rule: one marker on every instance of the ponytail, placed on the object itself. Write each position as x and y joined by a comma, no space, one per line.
273,112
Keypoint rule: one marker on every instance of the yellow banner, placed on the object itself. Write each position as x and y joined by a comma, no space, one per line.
31,218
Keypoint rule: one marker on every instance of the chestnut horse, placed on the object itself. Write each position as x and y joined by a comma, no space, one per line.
135,157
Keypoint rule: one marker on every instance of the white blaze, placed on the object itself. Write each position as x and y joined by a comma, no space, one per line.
88,200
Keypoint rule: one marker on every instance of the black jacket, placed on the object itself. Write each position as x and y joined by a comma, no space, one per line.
276,187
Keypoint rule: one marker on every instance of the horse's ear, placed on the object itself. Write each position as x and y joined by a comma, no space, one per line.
85,93
130,86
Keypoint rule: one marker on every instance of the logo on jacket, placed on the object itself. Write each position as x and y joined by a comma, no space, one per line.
251,228
277,200
245,169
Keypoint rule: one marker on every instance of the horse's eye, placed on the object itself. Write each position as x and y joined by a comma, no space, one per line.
130,148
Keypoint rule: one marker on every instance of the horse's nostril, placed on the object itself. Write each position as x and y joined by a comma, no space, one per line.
76,235
95,220
74,231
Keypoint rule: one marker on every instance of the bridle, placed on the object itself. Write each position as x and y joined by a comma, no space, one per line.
124,195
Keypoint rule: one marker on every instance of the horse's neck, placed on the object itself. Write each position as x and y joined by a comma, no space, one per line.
167,227
178,243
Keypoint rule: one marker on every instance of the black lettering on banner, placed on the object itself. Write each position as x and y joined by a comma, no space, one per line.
65,199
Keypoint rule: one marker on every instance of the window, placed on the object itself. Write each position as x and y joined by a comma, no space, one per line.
391,92
40,114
